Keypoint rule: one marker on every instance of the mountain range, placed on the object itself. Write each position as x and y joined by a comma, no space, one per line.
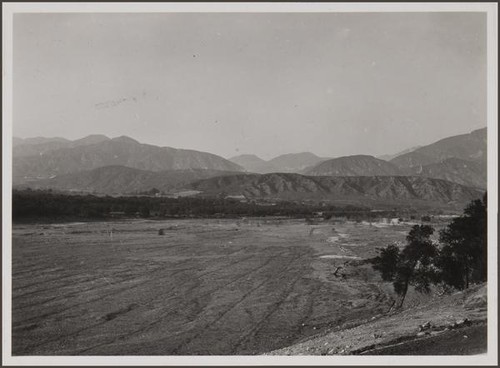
450,170
254,164
113,180
40,145
287,163
358,165
121,151
468,147
288,186
389,157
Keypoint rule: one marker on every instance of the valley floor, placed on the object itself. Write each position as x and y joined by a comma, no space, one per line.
205,287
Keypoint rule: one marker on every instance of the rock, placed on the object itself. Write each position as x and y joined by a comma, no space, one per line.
425,326
463,322
423,333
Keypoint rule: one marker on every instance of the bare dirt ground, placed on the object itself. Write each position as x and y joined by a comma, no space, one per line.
205,287
467,341
455,325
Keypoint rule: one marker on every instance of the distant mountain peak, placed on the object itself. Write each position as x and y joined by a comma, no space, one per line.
96,136
125,139
90,139
295,162
296,154
246,156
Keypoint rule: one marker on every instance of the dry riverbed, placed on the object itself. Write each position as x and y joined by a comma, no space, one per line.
204,287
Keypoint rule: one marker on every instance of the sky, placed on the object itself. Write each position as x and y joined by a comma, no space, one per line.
333,84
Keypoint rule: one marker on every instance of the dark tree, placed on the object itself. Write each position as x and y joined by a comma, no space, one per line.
463,257
387,262
411,266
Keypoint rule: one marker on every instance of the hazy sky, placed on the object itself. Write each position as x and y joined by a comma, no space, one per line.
330,83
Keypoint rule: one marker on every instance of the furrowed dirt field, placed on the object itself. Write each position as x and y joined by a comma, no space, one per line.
204,287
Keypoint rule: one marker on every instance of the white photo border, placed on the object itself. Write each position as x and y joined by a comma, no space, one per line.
9,9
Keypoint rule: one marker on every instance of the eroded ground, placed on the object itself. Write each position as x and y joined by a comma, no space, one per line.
204,287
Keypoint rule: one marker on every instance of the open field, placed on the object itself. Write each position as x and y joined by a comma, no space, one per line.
204,287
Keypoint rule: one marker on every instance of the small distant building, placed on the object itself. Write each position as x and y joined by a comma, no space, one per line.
394,221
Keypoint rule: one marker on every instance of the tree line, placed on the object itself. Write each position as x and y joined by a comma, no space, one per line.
457,260
46,204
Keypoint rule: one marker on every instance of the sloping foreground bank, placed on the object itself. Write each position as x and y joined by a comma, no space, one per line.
448,325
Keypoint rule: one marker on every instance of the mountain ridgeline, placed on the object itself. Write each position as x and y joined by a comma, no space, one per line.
461,159
121,151
288,163
287,186
40,145
467,147
254,164
116,180
451,171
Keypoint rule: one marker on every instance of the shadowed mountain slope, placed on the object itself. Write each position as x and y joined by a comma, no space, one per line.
299,187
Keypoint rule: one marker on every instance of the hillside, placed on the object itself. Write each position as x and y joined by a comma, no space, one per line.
470,147
295,162
253,163
456,325
121,151
123,180
358,165
37,140
469,173
40,146
389,157
359,188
